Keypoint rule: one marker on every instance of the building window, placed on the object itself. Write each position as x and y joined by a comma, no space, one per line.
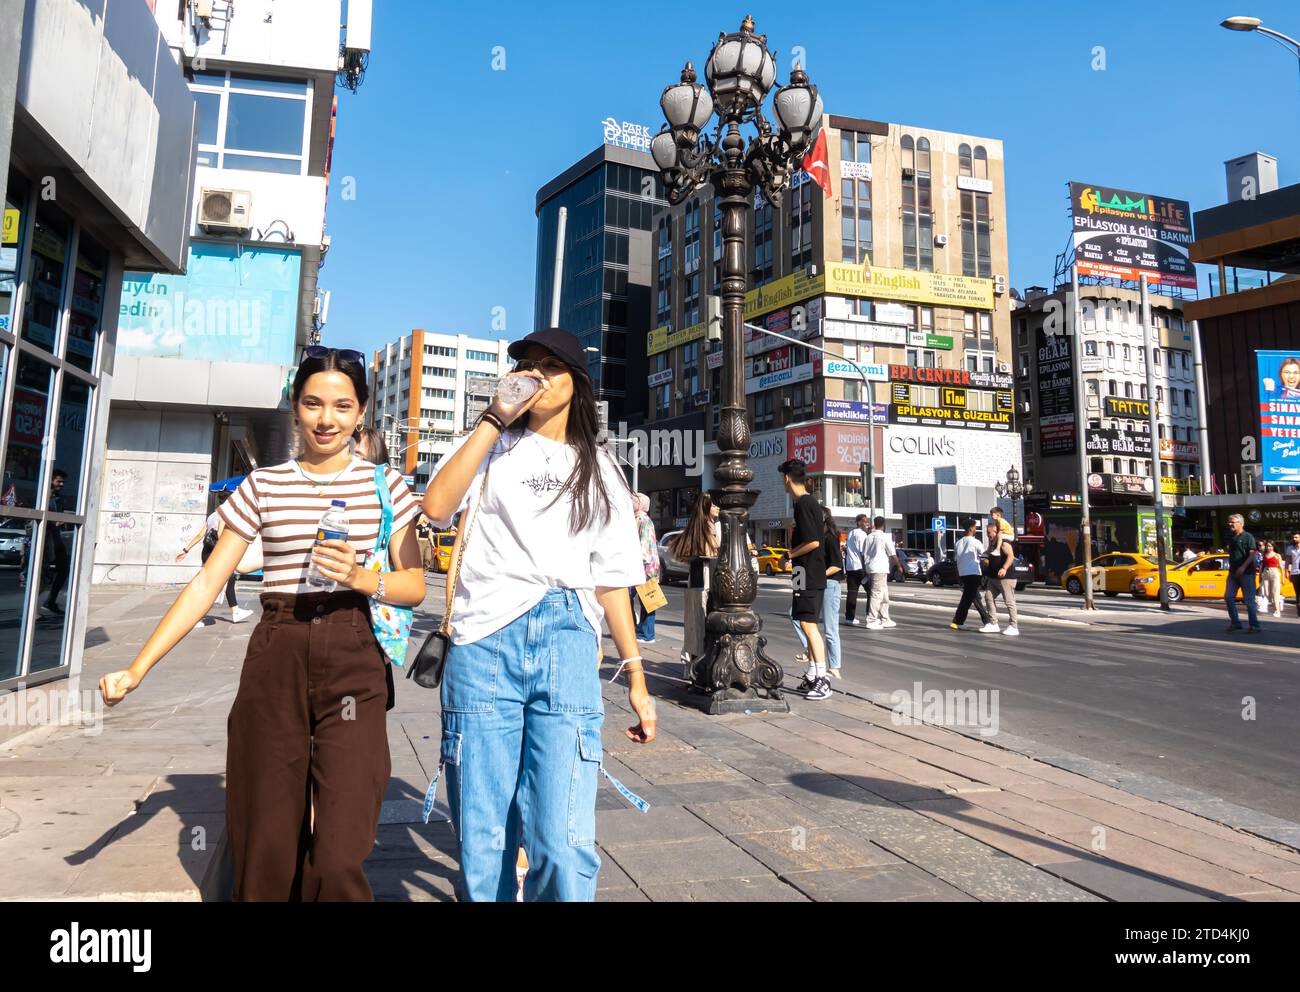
921,358
691,300
855,200
801,225
440,350
480,356
918,221
664,312
762,271
691,243
252,122
717,247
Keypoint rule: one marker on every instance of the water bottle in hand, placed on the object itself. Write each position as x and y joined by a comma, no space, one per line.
514,391
332,527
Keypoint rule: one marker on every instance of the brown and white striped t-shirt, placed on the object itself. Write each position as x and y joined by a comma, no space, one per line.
284,507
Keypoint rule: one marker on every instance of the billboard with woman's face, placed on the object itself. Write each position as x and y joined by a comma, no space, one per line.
1279,416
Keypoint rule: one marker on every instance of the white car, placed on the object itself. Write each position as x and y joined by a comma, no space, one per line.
671,568
12,541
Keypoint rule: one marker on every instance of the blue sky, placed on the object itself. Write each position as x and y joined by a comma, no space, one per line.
445,154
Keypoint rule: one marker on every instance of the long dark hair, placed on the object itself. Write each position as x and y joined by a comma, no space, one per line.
332,362
828,525
696,540
589,498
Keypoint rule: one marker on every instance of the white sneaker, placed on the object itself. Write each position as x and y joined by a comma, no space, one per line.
201,623
854,622
1012,632
888,624
874,625
238,614
990,628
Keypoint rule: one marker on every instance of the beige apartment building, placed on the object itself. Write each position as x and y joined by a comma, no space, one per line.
902,270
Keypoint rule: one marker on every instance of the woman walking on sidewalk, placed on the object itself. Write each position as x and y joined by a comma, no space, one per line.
697,545
830,602
211,533
307,728
1270,586
645,627
548,545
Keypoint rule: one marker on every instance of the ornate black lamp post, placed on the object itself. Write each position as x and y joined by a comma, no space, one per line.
1013,489
740,71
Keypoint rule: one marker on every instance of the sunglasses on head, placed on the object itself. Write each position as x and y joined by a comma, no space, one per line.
346,354
547,366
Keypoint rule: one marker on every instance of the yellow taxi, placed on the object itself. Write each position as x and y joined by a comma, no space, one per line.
442,551
1112,574
769,561
1205,577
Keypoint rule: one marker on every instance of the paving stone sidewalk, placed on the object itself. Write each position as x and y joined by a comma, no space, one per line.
830,802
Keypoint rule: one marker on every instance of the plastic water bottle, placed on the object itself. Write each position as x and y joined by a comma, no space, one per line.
515,390
332,527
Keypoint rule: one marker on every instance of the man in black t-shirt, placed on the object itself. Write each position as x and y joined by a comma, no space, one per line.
808,575
1241,574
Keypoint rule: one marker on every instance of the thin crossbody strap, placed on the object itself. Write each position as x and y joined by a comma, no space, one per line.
453,576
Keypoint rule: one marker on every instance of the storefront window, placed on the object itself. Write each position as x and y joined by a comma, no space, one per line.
70,444
87,303
10,242
58,556
28,419
15,576
49,263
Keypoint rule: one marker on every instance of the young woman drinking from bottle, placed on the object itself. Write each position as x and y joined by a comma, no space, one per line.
548,547
307,728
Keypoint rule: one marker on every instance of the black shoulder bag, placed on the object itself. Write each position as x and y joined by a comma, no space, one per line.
429,663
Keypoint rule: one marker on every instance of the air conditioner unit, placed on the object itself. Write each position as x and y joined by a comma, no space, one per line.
1003,367
810,270
940,240
678,394
909,173
226,209
1000,285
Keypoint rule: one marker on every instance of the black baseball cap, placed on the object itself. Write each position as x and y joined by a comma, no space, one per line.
560,343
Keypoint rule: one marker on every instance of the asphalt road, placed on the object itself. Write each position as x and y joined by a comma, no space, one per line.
1164,696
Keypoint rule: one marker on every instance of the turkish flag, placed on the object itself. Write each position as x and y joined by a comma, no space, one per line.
816,166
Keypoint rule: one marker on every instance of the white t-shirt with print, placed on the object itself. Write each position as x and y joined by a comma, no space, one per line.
521,544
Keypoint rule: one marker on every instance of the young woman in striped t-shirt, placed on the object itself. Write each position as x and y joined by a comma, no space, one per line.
307,729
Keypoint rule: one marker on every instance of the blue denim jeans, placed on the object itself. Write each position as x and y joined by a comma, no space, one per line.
830,623
1247,586
521,719
645,628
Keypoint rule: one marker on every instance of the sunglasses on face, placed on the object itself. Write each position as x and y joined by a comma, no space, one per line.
547,366
346,354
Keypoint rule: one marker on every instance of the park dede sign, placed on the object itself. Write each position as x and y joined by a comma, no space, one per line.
1121,235
1279,415
625,134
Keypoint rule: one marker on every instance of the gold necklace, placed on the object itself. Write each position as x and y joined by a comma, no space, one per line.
320,488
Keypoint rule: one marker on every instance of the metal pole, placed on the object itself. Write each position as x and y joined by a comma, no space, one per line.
1081,437
560,227
1202,419
1153,420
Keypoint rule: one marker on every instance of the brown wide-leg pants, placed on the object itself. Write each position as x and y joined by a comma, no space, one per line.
307,729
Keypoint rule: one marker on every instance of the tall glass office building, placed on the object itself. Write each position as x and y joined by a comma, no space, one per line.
611,195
